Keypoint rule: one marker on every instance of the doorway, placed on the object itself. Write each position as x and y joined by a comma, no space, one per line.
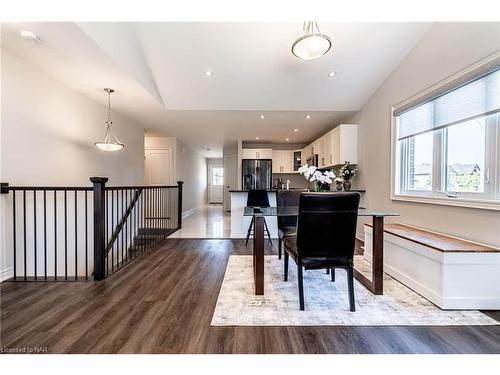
215,182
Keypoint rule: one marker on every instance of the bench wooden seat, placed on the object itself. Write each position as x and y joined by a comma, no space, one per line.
436,241
452,273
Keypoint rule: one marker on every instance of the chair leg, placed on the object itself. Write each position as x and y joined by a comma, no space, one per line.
268,233
248,232
301,287
327,271
350,285
286,265
332,274
279,248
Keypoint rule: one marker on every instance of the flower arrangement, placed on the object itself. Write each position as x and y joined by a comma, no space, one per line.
322,179
347,171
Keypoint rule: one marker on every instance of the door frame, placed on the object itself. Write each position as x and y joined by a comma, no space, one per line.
170,166
210,165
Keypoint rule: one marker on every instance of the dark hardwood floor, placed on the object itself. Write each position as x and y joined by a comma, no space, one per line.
163,303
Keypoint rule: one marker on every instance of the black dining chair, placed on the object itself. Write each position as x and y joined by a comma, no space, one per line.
325,237
287,225
257,198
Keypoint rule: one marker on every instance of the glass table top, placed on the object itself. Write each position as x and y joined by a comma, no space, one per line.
294,210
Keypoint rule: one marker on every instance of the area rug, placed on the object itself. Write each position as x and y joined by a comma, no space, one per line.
326,302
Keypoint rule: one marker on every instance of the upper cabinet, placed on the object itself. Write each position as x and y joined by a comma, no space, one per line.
341,145
257,153
283,161
335,147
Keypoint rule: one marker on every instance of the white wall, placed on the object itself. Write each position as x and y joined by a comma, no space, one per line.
446,49
192,169
188,166
47,137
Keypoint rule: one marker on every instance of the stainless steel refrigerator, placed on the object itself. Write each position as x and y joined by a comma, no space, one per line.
256,174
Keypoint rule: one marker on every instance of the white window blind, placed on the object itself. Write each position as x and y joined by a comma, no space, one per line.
480,97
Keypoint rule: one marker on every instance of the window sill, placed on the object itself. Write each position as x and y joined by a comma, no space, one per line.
457,202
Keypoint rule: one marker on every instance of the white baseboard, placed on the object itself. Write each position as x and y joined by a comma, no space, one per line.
6,274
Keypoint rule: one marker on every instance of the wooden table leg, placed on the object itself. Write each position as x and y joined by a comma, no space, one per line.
258,254
376,285
378,255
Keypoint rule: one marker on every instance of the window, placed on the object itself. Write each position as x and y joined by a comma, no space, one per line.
447,147
217,176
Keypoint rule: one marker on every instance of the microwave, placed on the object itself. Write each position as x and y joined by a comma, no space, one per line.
312,160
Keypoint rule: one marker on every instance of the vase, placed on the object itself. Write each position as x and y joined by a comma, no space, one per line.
347,185
319,187
338,186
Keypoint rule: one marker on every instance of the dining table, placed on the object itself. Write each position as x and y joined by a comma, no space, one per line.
375,285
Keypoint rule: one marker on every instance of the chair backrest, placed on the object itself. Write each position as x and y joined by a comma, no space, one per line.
326,224
288,198
257,198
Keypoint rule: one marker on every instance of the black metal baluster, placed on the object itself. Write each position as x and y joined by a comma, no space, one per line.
112,229
34,231
130,216
106,230
127,205
76,235
14,229
65,235
121,229
55,234
86,240
24,225
45,233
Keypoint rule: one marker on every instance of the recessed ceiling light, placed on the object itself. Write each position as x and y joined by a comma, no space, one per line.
295,130
208,73
287,139
30,36
257,138
308,117
332,74
262,116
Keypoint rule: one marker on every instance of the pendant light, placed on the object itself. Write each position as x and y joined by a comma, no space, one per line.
111,142
312,44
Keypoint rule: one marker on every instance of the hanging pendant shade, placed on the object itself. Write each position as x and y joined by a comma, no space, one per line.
312,44
110,142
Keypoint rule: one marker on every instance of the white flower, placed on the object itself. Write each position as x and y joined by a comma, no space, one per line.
303,169
316,175
330,174
312,169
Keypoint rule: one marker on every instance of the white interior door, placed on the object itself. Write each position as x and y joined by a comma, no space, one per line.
215,182
230,178
158,166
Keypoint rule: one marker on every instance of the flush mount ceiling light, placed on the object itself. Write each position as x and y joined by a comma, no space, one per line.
262,117
287,139
332,74
257,138
308,117
208,73
295,130
312,44
111,142
30,36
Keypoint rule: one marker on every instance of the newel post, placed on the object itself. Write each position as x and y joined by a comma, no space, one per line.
179,204
99,226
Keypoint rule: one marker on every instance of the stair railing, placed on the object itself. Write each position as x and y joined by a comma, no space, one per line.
50,229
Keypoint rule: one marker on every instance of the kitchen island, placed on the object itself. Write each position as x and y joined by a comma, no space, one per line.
240,223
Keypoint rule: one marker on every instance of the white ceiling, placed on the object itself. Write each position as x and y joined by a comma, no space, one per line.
158,71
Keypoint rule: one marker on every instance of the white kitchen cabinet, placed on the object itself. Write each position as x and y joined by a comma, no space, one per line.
341,145
257,153
282,161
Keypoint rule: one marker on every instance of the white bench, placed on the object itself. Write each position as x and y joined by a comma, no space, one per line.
450,272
